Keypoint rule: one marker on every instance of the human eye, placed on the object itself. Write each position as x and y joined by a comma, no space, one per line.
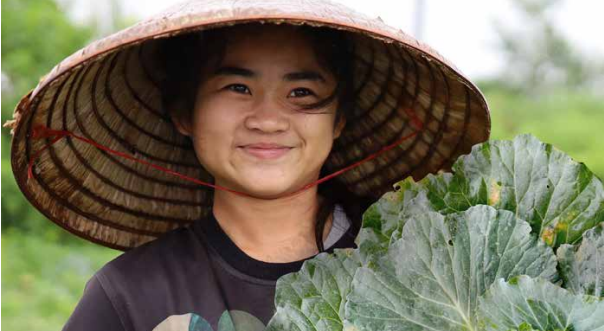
239,88
300,92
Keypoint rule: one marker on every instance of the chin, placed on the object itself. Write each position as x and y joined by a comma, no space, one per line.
267,191
267,188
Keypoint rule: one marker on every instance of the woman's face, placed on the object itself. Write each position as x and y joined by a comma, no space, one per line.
246,127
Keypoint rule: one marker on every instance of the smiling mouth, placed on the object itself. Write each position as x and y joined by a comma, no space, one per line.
265,153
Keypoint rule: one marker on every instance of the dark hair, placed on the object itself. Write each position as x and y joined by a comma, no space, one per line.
183,56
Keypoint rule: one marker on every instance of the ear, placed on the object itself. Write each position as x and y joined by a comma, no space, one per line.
339,127
181,123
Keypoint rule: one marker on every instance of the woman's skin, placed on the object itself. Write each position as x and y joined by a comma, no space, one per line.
253,97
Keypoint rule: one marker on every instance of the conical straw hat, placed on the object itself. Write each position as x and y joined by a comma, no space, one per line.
107,92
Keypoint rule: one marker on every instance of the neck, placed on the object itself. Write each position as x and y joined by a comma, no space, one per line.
276,230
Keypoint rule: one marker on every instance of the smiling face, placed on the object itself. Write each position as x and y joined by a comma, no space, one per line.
247,127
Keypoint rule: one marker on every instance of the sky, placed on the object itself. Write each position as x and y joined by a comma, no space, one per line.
461,30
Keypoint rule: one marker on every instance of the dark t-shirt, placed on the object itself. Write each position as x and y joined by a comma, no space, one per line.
191,278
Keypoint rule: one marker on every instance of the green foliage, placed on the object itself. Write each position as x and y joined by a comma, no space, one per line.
526,303
581,266
432,277
42,281
36,35
44,268
469,250
557,196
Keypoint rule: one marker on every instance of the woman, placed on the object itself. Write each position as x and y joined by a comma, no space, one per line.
258,116
240,136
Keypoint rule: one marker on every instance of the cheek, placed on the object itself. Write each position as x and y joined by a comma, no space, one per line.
214,127
216,115
319,134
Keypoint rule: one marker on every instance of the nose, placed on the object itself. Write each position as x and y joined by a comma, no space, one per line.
267,116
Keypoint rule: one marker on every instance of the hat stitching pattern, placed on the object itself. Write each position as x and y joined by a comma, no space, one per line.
136,174
143,170
92,216
109,95
82,188
394,135
125,74
121,140
88,168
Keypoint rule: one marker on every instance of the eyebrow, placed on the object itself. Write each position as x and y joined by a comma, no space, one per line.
289,77
234,71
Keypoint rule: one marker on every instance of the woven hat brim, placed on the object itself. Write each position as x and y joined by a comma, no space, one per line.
108,92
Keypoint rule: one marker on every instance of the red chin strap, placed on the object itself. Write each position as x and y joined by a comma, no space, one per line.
41,131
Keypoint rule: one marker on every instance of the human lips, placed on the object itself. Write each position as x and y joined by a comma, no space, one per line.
266,150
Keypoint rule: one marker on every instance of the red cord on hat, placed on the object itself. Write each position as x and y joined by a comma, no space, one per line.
41,131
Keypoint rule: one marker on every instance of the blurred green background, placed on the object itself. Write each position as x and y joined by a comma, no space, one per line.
555,96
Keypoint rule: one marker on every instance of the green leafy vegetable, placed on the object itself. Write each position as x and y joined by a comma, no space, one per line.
315,296
383,221
559,197
436,254
524,302
582,266
430,278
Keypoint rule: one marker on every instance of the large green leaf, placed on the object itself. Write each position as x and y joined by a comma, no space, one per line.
383,221
582,266
430,250
559,197
525,303
431,279
314,297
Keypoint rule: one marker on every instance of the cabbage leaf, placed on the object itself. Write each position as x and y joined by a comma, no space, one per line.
582,266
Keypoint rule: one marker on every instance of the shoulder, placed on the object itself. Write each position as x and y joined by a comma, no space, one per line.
181,240
140,279
155,260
